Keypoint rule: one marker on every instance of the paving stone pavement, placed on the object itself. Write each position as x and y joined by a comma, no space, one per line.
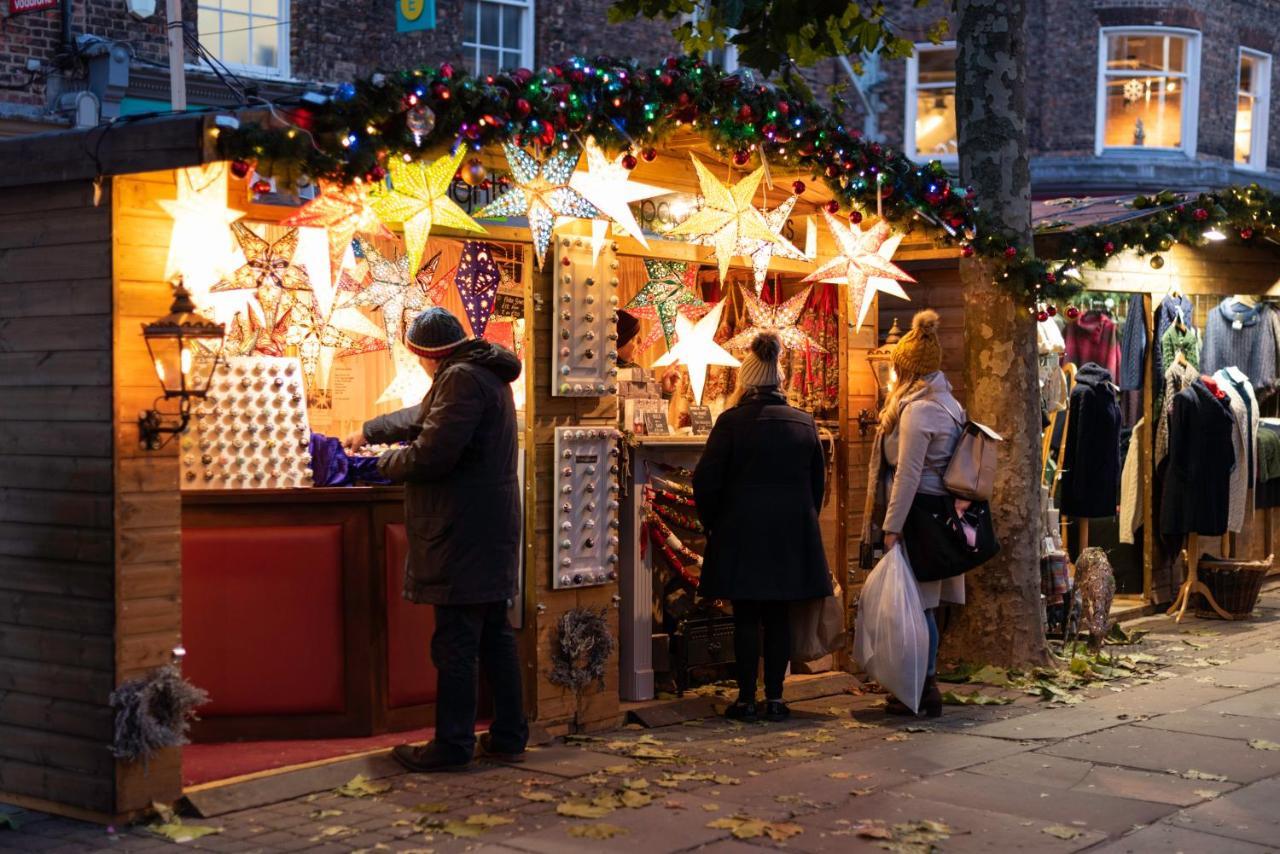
1182,757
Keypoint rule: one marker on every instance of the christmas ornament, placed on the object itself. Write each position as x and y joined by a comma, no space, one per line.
393,291
269,271
667,294
1073,312
421,121
863,264
319,339
343,211
475,173
781,318
606,185
727,216
1157,261
696,348
200,246
477,280
411,382
761,252
541,193
419,199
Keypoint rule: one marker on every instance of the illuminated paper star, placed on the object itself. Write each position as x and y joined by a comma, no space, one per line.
320,338
200,246
696,349
392,292
343,212
541,192
864,264
667,294
411,382
269,271
727,217
761,252
781,318
419,199
607,185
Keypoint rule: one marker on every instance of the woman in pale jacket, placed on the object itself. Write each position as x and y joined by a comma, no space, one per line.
921,424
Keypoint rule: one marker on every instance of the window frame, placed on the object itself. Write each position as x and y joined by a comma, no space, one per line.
1257,160
1190,83
284,30
909,143
471,50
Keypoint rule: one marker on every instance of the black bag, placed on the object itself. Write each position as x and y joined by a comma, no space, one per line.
935,540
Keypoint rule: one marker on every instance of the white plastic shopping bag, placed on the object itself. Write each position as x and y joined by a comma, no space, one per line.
891,638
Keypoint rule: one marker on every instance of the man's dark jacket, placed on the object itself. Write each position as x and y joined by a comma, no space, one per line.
462,496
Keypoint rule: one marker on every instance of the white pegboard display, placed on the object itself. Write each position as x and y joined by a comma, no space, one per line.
586,500
251,431
585,329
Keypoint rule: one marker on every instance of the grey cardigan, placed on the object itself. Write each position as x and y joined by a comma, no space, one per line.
920,446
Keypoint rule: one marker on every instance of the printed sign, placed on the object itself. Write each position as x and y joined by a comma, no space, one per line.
17,7
700,420
509,305
414,15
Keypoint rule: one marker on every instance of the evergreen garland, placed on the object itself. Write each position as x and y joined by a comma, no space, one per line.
582,650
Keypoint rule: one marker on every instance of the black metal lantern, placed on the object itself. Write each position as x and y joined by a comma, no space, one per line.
185,348
881,361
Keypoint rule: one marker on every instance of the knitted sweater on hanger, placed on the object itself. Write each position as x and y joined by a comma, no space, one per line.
1092,338
1133,346
1241,336
1174,341
1177,378
1169,310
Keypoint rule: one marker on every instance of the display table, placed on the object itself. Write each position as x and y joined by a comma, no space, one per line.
293,618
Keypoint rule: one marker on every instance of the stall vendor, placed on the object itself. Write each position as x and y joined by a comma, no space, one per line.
628,333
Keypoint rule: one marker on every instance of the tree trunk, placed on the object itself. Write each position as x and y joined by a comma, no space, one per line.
1002,622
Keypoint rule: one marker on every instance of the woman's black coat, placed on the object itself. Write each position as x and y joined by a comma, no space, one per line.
759,488
1091,459
1197,481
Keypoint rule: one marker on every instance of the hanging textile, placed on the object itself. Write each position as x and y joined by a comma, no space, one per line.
1242,336
813,378
1197,486
1131,486
1268,491
1133,345
1178,377
1092,338
1174,341
1091,458
1172,308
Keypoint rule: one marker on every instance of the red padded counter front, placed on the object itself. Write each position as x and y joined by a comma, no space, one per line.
262,618
411,677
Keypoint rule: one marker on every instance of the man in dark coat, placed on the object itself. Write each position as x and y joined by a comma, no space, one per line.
462,515
759,488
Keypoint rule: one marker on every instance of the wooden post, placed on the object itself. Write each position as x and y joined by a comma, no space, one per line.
1146,460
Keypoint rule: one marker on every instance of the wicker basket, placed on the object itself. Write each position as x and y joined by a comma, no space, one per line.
1235,585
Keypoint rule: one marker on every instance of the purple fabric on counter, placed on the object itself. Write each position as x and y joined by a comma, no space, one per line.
330,465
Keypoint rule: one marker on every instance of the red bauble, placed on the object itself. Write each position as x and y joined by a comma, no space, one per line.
683,99
833,207
672,62
1042,316
441,91
744,113
628,161
1246,233
1108,247
548,135
377,173
1010,252
797,187
1053,311
832,170
578,75
561,91
446,71
966,251
566,261
741,157
523,107
666,79
241,168
1050,278
855,217
1073,312
649,155
261,186
521,76
1200,214
784,108
875,149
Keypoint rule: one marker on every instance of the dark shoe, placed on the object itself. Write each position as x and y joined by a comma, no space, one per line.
427,759
896,707
741,711
497,753
931,699
776,710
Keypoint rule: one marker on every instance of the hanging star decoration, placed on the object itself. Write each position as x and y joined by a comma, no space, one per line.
477,280
864,264
607,185
696,349
667,294
343,212
269,271
781,318
200,245
727,217
761,252
542,193
411,382
391,291
419,200
319,339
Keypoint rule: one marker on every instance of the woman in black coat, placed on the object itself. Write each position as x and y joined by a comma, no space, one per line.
759,487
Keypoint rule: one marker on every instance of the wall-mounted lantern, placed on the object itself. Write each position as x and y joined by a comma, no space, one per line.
184,348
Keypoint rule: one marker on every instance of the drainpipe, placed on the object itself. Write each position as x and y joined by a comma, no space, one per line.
870,122
66,26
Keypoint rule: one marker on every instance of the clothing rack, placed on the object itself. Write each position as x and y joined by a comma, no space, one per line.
1193,584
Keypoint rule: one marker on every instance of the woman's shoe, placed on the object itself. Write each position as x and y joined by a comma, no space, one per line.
896,707
931,699
740,711
776,711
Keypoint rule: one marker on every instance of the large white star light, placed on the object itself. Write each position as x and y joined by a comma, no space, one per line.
201,249
696,349
761,252
607,185
864,264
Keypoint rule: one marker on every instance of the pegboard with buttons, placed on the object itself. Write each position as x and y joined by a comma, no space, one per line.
586,499
251,432
585,327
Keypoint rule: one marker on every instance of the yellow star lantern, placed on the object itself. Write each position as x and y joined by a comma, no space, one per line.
200,247
419,199
696,349
727,218
864,264
342,211
607,185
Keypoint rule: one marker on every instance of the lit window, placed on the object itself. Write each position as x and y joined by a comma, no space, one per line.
1148,89
497,35
1253,96
931,103
248,35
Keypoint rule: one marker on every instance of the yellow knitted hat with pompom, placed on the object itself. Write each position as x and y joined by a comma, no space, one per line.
918,352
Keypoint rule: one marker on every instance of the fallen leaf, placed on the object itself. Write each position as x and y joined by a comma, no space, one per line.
601,830
839,775
323,814
917,729
459,829
176,831
873,830
595,779
360,786
862,793
1061,831
1193,774
433,808
752,828
991,675
954,698
540,797
1263,744
711,807
800,753
619,769
582,809
1207,793
898,736
726,780
487,821
332,831
636,784
634,800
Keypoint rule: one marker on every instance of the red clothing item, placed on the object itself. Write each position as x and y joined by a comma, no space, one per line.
1092,338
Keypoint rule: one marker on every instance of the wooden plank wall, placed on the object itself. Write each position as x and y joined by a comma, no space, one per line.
57,586
148,541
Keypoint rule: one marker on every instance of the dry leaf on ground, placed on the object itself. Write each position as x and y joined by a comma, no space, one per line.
176,831
743,827
1061,831
317,815
361,786
1193,774
540,797
596,831
582,809
1263,744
